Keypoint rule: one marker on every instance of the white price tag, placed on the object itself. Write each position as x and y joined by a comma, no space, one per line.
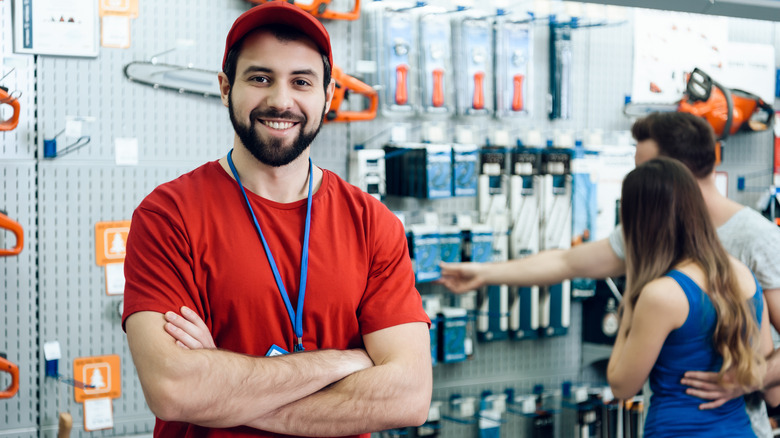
115,279
51,350
126,151
98,414
73,128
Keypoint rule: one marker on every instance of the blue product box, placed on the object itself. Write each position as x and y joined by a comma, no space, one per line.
452,334
425,252
450,244
438,171
481,245
465,159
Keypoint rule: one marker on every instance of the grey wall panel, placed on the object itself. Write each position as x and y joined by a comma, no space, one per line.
519,365
169,126
18,297
54,290
20,71
748,155
609,76
74,307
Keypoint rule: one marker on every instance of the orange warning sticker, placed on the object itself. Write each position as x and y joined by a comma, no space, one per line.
110,241
100,375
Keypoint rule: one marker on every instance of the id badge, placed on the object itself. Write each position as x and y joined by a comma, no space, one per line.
275,350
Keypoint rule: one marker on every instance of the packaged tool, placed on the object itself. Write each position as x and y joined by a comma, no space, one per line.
560,99
392,41
726,110
473,48
436,78
344,85
513,68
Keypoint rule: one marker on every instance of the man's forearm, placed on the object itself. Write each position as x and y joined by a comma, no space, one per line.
772,379
772,376
375,399
223,389
234,395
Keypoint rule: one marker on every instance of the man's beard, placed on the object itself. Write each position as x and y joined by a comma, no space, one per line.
272,153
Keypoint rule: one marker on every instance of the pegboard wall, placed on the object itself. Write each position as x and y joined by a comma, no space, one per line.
54,290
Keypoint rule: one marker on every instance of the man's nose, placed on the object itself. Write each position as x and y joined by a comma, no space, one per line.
280,97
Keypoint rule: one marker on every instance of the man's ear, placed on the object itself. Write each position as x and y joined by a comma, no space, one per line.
224,87
329,94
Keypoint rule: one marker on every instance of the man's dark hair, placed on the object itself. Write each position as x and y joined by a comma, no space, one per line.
282,33
682,136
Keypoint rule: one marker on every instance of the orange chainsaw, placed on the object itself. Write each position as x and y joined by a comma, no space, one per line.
13,101
9,367
319,8
9,224
726,110
344,84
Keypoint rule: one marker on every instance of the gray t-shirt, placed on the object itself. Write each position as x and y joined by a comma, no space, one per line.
755,241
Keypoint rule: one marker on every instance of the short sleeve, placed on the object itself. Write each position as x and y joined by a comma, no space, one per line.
617,243
391,297
158,266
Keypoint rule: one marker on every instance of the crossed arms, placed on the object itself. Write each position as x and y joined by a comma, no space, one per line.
323,393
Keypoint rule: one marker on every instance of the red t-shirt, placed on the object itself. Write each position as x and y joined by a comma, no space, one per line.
192,242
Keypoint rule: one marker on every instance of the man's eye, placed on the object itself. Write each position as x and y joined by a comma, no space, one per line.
302,83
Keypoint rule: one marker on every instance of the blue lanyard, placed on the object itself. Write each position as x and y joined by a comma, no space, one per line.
296,317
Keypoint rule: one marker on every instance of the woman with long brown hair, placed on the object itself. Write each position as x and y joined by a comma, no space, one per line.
688,305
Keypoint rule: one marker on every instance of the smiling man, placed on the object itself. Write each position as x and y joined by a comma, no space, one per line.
265,295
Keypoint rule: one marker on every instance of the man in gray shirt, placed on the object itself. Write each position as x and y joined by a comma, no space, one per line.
744,233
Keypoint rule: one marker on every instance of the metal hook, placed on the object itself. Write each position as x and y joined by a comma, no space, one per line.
9,72
50,146
153,58
14,95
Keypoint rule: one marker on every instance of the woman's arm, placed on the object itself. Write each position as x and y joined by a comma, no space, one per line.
661,308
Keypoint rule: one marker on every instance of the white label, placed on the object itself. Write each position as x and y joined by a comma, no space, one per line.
435,134
555,168
115,278
491,169
98,414
51,350
398,134
73,128
501,137
524,168
464,135
126,151
115,31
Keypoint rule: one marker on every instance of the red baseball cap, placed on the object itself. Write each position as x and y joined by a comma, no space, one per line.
284,13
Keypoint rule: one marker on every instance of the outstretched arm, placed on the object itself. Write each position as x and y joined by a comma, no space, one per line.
217,388
394,393
592,259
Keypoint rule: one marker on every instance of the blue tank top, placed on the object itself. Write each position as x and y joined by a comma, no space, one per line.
673,413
